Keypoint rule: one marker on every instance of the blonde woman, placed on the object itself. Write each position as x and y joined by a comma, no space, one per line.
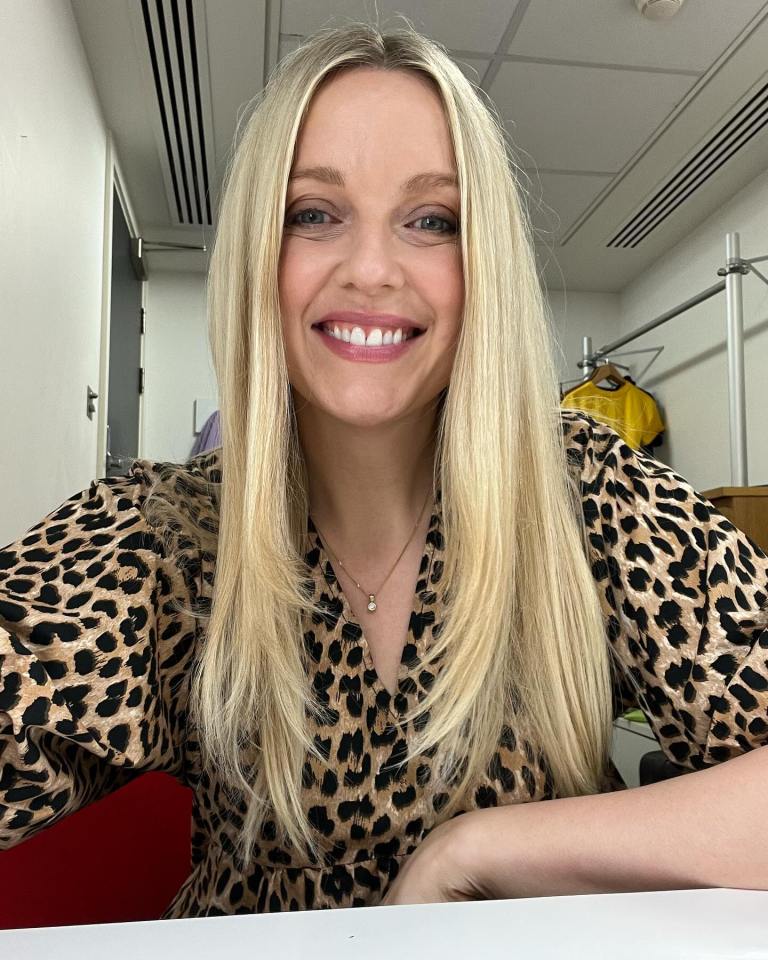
407,595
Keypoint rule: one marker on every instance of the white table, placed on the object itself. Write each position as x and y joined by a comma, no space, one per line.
679,924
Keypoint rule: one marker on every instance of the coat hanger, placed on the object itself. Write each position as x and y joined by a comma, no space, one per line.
607,371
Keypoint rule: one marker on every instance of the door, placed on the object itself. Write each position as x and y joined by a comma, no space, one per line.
126,376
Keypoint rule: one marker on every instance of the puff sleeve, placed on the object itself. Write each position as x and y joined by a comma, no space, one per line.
93,656
684,595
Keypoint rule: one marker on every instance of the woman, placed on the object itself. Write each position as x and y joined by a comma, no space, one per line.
406,587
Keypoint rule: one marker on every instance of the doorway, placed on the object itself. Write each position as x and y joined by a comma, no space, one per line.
121,370
126,328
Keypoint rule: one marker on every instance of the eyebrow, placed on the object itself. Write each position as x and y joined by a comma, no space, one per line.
334,177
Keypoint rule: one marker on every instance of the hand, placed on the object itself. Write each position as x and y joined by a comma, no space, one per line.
447,866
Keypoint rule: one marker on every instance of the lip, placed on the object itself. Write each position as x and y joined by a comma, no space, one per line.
368,321
363,354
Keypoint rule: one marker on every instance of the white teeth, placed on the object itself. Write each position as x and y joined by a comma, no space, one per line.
375,337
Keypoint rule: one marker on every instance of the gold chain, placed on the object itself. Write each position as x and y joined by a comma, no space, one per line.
372,605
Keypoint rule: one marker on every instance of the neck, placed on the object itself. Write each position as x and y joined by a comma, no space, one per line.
367,485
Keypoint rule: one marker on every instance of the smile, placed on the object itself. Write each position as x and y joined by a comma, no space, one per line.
375,336
377,348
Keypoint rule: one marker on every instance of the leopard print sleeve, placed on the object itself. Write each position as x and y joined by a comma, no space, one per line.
684,595
91,656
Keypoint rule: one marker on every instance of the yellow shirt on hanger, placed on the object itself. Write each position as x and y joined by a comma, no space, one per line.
631,412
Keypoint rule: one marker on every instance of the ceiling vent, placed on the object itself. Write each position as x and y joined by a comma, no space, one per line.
731,137
175,36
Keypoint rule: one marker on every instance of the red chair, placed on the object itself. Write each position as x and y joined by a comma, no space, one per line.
121,858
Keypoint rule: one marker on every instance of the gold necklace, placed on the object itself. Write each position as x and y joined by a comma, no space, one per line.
372,605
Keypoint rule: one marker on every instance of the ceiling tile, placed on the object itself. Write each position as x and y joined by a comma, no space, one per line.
597,31
472,68
235,46
474,26
582,118
557,200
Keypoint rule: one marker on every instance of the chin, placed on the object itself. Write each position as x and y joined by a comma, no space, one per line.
368,419
361,404
362,412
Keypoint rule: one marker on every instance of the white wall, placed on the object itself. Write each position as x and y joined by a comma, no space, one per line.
690,378
53,155
576,315
177,363
52,174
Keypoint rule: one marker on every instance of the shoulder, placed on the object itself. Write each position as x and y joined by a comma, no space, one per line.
615,479
144,475
163,489
590,444
111,515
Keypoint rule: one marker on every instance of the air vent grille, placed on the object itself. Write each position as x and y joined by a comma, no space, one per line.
734,134
172,45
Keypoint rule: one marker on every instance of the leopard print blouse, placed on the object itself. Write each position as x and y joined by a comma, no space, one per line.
95,666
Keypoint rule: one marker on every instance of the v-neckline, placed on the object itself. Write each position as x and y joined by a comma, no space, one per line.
417,602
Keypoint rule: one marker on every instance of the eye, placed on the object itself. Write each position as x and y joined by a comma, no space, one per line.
437,224
300,218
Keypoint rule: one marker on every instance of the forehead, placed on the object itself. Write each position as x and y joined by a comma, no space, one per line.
367,116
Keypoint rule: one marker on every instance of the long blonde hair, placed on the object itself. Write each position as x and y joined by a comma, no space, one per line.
523,639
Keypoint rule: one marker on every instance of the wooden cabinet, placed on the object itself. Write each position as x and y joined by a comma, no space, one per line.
746,507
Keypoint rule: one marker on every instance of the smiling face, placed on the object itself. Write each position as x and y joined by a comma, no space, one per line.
371,243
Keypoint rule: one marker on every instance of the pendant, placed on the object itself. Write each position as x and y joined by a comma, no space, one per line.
371,602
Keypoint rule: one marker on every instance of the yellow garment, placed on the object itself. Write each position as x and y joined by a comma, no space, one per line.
630,411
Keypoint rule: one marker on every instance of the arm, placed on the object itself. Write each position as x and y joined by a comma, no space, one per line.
703,829
85,702
684,595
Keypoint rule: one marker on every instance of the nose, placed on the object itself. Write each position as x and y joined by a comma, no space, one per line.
370,263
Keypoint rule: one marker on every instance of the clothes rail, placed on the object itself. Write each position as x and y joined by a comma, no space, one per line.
733,271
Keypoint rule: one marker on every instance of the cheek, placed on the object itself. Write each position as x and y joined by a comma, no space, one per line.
442,283
298,278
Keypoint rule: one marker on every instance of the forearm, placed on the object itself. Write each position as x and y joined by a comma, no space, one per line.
703,829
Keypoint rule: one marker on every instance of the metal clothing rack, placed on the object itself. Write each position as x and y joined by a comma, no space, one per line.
735,268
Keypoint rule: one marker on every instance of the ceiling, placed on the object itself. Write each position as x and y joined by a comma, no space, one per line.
630,132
